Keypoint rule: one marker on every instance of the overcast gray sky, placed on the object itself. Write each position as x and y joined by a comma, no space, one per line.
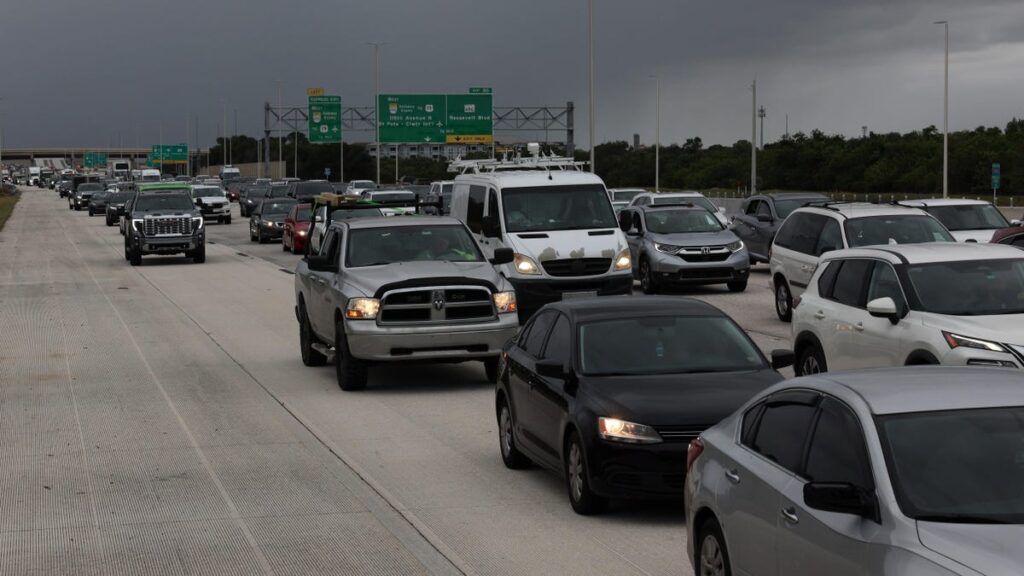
77,73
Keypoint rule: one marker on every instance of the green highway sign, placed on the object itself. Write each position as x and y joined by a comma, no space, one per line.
170,154
418,118
479,90
324,115
995,176
95,159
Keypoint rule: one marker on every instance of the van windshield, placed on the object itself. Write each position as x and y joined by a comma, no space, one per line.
546,208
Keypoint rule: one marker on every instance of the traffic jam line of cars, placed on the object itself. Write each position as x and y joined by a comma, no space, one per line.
524,264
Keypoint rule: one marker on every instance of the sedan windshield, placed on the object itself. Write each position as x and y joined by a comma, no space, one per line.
970,288
164,203
393,197
207,191
90,187
386,245
276,207
119,197
310,189
682,221
957,466
879,230
546,208
969,217
666,345
279,191
695,200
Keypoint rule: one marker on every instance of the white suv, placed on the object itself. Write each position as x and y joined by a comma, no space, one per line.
695,198
967,220
957,304
812,231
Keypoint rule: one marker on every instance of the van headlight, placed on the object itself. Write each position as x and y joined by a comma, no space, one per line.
526,265
505,302
362,308
623,261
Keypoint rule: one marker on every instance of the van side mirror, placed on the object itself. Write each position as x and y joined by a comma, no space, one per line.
884,308
843,498
490,227
503,256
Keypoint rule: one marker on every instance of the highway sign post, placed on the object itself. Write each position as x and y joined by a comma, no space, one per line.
996,177
170,154
426,118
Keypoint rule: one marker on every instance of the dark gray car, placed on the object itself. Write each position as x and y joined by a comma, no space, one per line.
761,216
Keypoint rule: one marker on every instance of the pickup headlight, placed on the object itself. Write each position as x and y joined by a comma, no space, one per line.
736,246
197,222
362,308
623,261
505,302
137,224
957,341
628,432
526,265
667,248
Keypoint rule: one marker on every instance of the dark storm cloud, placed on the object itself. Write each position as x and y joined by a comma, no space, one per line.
85,73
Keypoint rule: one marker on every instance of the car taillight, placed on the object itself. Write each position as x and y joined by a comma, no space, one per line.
695,449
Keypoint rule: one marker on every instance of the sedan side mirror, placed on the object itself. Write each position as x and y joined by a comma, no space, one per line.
764,218
782,359
552,369
884,308
503,256
318,219
843,498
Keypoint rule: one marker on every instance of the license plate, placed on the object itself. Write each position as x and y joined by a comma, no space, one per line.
578,295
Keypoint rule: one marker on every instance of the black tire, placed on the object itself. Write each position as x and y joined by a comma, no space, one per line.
310,357
109,221
259,237
351,372
811,361
783,300
134,254
227,220
577,481
294,251
491,366
252,237
648,283
737,286
711,542
91,214
199,254
510,455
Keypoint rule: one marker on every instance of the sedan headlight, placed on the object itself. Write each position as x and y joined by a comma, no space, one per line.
629,432
268,223
667,248
623,261
957,341
526,265
362,308
736,246
505,302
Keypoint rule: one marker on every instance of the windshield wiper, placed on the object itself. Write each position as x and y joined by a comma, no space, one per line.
960,519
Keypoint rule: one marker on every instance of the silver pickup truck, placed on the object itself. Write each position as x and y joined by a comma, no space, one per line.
401,289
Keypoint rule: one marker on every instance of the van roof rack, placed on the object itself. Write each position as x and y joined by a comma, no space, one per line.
540,161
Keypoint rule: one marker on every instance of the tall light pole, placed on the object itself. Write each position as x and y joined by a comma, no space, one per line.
753,140
376,99
590,59
280,145
945,117
234,132
657,134
224,134
761,113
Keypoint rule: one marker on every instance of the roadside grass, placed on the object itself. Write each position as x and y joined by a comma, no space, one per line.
7,202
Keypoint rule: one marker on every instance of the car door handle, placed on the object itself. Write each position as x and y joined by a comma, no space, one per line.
732,476
789,515
819,315
859,326
806,268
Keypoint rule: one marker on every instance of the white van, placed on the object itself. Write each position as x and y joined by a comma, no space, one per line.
229,173
555,217
149,175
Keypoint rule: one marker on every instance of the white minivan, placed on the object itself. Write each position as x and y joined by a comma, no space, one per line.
555,217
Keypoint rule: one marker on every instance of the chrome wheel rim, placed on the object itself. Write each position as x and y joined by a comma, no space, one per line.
810,365
711,561
782,299
505,430
575,472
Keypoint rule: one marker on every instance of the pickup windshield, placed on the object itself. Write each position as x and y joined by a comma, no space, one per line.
391,244
164,203
549,208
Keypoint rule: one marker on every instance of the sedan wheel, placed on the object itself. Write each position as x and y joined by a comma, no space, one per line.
510,455
583,500
713,559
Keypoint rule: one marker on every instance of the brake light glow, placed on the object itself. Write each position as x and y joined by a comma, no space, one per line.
695,449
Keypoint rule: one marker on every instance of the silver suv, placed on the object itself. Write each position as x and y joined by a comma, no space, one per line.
402,289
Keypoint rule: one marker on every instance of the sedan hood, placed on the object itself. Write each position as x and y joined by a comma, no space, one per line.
565,244
688,240
1003,328
370,279
987,548
273,217
678,399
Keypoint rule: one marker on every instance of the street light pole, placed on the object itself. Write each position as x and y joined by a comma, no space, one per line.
945,117
376,99
590,59
224,134
657,134
280,145
753,140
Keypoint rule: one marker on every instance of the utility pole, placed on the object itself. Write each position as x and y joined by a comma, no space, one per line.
590,58
295,144
188,145
376,99
945,117
224,134
761,113
280,145
657,134
753,140
787,125
234,132
863,131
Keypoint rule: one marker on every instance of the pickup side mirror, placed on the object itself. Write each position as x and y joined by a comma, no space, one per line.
321,263
884,308
490,227
503,256
552,369
843,498
764,218
782,359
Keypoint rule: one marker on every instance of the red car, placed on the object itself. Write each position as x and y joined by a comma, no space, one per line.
296,228
1014,235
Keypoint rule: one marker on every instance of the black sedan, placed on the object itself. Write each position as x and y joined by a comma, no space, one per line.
115,205
609,392
267,220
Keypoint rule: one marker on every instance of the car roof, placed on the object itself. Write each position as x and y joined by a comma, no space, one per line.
793,195
411,220
851,210
669,207
908,389
944,202
611,307
164,187
532,178
931,252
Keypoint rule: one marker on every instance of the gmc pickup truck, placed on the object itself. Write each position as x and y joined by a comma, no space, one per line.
401,289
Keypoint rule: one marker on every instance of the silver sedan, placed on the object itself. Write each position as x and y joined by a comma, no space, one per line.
907,471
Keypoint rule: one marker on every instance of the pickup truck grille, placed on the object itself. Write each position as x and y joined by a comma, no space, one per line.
577,266
209,208
176,226
441,304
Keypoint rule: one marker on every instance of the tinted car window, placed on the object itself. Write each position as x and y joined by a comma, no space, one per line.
534,344
879,230
885,284
828,278
751,208
849,287
784,237
558,347
782,433
837,452
805,237
475,208
831,238
763,209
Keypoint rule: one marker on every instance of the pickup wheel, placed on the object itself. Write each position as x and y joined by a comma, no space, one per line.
199,254
134,254
491,369
310,357
227,220
109,221
351,371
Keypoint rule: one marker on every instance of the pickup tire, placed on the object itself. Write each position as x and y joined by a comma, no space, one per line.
199,254
310,357
351,371
227,220
109,221
134,254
